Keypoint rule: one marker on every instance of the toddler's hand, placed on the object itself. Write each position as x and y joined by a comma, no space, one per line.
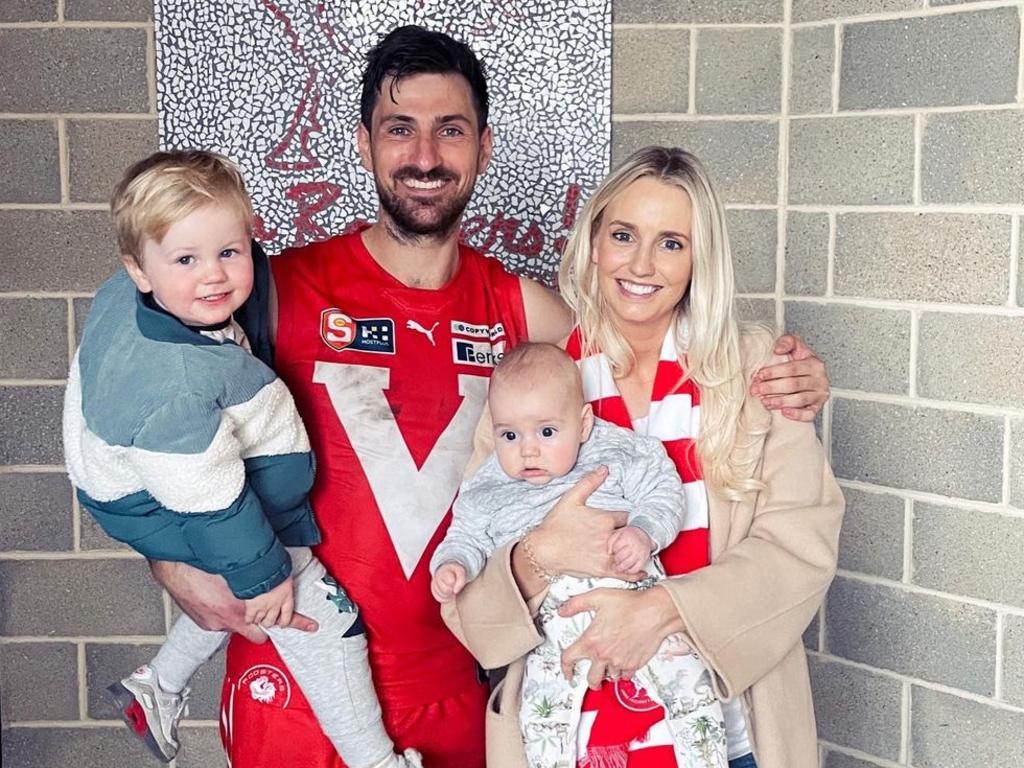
630,549
273,608
448,581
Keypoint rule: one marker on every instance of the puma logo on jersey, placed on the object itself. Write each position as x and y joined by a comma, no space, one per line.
412,325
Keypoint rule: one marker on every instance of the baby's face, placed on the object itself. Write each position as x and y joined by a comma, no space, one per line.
201,271
538,429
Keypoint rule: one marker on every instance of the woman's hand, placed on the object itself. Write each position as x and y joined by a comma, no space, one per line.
799,387
624,634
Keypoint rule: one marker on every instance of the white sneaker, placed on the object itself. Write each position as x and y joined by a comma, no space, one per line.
410,758
151,712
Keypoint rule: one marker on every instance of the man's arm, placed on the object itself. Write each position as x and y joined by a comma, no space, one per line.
547,316
799,387
207,599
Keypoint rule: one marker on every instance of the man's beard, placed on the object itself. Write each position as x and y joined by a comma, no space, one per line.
404,222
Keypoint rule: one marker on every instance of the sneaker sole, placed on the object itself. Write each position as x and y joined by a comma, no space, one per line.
134,717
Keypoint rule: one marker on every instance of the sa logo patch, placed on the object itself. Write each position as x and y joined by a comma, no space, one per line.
340,332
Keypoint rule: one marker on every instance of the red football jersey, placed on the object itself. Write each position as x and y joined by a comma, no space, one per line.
390,381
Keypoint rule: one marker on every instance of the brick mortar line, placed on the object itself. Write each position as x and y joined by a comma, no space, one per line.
76,115
691,76
918,169
1001,209
61,10
76,24
1007,451
667,25
970,505
866,757
917,589
908,542
33,382
90,639
45,295
83,684
920,683
151,68
915,332
32,469
905,722
997,690
627,117
26,555
992,310
830,264
97,724
1015,254
751,206
978,409
54,207
782,169
837,62
63,161
1020,63
908,13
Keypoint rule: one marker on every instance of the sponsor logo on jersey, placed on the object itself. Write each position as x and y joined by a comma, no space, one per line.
634,697
340,332
266,684
482,354
491,332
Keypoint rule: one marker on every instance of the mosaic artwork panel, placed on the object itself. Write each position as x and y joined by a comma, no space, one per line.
274,84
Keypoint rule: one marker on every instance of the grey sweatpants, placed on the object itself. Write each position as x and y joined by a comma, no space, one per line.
331,669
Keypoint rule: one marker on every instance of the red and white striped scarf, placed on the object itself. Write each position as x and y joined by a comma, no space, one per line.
620,725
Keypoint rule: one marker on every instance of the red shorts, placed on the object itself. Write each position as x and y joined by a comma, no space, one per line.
266,722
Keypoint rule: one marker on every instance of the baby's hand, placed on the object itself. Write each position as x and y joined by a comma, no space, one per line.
273,608
630,549
448,581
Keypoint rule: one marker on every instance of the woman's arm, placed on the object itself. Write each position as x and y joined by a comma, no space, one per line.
746,610
493,615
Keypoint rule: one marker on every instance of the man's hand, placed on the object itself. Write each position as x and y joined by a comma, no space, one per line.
273,608
799,387
448,581
206,598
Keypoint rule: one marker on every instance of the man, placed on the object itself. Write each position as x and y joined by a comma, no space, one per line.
386,338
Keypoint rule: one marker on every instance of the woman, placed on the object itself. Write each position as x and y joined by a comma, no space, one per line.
649,275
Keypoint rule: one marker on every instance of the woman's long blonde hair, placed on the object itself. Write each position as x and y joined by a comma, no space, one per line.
707,331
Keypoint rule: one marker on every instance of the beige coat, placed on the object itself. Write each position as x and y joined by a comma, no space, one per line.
773,556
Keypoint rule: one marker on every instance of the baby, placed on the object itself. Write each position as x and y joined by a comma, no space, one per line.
183,444
546,439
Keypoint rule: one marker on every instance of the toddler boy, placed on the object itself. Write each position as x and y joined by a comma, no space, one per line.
186,446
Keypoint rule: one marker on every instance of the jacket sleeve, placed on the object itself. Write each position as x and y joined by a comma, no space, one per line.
467,541
490,616
652,487
188,459
747,610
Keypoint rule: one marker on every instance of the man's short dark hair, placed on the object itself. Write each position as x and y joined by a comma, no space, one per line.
413,50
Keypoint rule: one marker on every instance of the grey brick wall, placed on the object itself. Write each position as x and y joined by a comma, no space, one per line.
871,154
881,143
